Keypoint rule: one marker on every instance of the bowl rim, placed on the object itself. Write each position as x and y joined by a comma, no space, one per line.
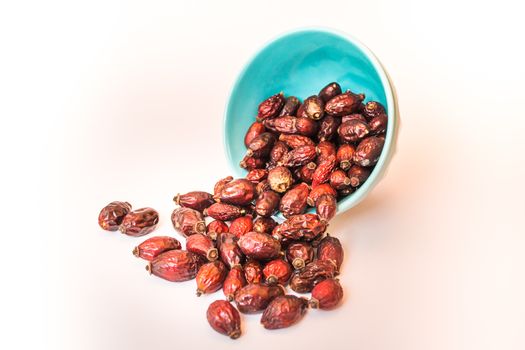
392,112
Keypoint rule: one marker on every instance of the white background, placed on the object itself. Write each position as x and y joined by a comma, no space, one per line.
123,100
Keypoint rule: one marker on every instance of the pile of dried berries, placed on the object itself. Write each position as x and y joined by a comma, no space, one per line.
299,155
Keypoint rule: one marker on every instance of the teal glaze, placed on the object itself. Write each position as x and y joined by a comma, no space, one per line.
300,63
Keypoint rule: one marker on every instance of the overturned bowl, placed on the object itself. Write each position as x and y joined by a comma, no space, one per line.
300,63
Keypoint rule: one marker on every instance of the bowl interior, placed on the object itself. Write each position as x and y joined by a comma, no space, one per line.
300,64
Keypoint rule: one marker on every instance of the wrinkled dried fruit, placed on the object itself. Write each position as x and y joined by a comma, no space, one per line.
188,221
313,107
345,153
299,254
257,175
263,186
353,130
306,172
326,295
175,265
250,163
215,228
294,141
284,311
325,150
259,246
139,222
330,91
197,200
154,246
330,249
323,171
280,179
261,145
234,281
254,298
326,207
319,191
264,225
339,180
254,130
111,215
298,156
328,128
253,272
237,192
304,226
372,109
292,125
241,226
267,203
277,271
294,201
270,107
210,277
378,124
224,318
229,251
224,212
343,104
202,245
358,175
303,281
220,184
290,107
278,151
355,116
368,152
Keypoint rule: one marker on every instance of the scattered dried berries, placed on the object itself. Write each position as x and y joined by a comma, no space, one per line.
202,245
253,271
154,246
224,318
176,265
326,295
188,221
260,246
303,281
210,277
139,222
254,298
111,215
241,225
277,271
299,254
284,311
234,281
330,249
197,200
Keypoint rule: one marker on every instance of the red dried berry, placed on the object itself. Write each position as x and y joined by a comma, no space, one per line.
229,251
326,207
313,107
345,153
343,104
224,318
299,254
325,150
368,151
254,130
330,91
254,298
278,151
318,191
292,125
197,200
234,281
372,109
280,179
224,212
263,186
294,201
330,249
358,175
353,130
354,116
215,228
202,245
294,141
284,311
277,271
328,128
323,171
306,172
217,189
260,246
241,226
326,295
154,246
290,107
175,265
267,203
304,226
264,225
188,221
339,180
298,156
261,146
257,175
210,277
139,222
378,124
237,192
250,163
253,272
303,281
270,107
111,215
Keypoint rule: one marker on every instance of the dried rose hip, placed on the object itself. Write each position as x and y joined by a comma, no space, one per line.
303,281
378,124
154,246
241,225
263,186
353,130
278,151
202,245
306,172
188,221
298,156
237,192
217,189
267,203
292,125
229,251
294,201
326,295
304,226
372,109
323,171
313,107
264,225
343,104
197,200
215,228
254,298
254,130
326,207
224,318
294,141
224,212
330,249
328,128
284,311
354,116
291,105
234,281
270,107
253,271
319,191
345,153
260,246
368,151
261,145
175,265
250,163
339,180
325,150
277,271
330,91
358,175
139,222
111,215
300,254
210,277
280,179
257,175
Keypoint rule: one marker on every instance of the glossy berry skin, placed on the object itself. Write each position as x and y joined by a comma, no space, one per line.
254,130
372,109
210,277
254,298
326,295
284,311
292,125
330,91
224,212
229,251
257,175
368,151
378,124
354,116
241,225
326,207
111,215
224,318
293,201
237,192
339,180
294,141
318,191
270,107
267,203
358,175
176,265
298,156
277,271
215,228
299,254
253,272
313,107
328,128
219,185
188,221
323,171
203,246
343,104
325,150
278,151
264,225
344,155
259,246
280,179
234,281
197,200
306,172
304,226
261,146
290,107
139,222
154,246
250,163
353,130
303,281
330,249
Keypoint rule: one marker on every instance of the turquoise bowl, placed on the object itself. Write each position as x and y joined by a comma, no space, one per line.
300,63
